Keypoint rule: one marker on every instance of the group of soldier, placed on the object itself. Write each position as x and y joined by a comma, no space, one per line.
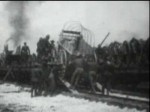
133,53
126,54
45,78
7,56
45,49
42,74
86,68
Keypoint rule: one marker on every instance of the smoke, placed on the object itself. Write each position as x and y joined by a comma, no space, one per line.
18,20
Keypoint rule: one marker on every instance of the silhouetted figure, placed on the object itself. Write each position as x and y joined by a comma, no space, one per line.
25,52
53,51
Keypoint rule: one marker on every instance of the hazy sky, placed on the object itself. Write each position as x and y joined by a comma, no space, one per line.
122,19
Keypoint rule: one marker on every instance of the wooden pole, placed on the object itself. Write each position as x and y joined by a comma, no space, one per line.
7,74
104,39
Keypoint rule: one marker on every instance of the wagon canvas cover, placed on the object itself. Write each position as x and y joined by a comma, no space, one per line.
68,42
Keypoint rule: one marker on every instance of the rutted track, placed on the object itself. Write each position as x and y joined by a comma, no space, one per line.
111,100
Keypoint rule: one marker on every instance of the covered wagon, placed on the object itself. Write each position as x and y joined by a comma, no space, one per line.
74,38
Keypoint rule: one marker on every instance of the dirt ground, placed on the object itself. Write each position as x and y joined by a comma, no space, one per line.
15,98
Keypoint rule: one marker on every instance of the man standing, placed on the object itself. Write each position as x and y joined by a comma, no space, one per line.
43,48
36,76
79,65
44,78
48,78
93,71
125,53
106,75
47,45
53,51
40,48
135,50
25,52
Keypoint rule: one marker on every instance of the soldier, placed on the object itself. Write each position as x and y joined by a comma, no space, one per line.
79,65
134,51
25,52
100,51
93,71
18,50
144,56
53,51
44,47
45,75
105,71
33,58
36,74
52,79
125,53
47,44
48,79
1,60
116,53
47,47
147,50
107,82
40,48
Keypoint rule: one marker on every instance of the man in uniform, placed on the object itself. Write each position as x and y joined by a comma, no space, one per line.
79,65
25,52
144,56
105,76
43,47
146,50
45,75
47,45
53,51
48,78
40,48
36,75
93,71
125,53
134,51
18,50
